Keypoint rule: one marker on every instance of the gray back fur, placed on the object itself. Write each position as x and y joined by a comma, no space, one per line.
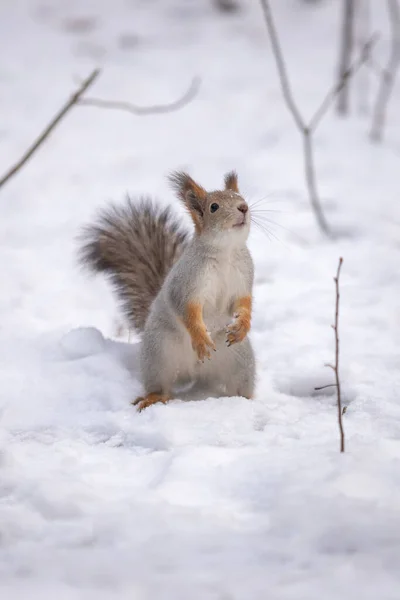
135,245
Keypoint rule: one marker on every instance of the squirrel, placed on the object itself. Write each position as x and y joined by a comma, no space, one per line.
189,296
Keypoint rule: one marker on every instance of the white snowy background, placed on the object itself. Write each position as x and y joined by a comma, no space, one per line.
221,499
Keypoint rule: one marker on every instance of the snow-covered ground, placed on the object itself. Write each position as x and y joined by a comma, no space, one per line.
220,499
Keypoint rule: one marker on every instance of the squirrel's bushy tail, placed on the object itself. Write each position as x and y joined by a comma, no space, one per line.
135,245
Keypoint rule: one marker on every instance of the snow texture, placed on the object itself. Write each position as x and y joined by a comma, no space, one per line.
219,499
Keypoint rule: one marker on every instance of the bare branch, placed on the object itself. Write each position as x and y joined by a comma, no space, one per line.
363,28
280,62
346,49
388,74
336,366
309,168
50,127
146,110
336,89
323,387
305,129
298,119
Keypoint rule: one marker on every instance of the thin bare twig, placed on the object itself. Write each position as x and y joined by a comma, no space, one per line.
323,387
335,367
145,110
346,49
50,127
388,74
308,129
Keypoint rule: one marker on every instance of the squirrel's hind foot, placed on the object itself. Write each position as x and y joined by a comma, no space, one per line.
144,402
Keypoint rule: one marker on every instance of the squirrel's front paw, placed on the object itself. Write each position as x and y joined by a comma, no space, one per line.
202,344
237,331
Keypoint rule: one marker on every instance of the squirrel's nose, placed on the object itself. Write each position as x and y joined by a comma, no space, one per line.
243,208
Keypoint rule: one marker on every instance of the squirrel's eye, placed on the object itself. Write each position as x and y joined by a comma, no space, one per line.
214,206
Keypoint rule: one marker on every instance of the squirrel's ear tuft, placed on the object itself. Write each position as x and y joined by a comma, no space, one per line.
191,194
231,181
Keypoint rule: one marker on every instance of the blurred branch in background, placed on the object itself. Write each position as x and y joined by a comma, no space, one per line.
227,6
76,99
363,32
50,127
353,68
388,74
345,54
145,110
307,129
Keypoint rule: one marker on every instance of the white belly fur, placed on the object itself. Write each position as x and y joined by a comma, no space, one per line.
223,284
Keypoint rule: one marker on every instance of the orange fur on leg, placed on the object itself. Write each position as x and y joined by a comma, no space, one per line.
237,331
150,399
193,320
